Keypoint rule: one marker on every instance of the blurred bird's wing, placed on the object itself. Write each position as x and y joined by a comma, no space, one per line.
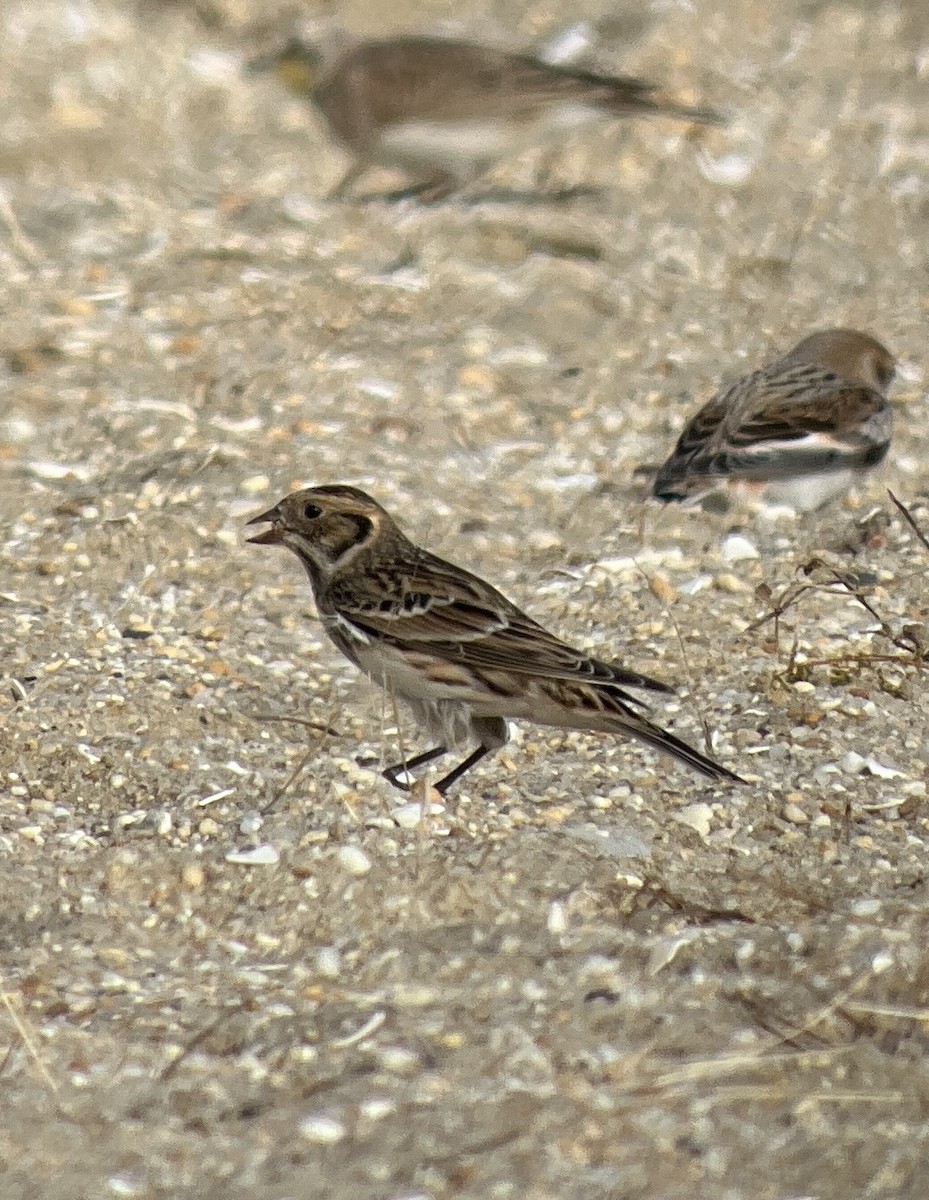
779,422
436,79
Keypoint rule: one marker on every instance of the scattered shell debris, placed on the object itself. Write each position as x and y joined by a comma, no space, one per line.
231,950
256,856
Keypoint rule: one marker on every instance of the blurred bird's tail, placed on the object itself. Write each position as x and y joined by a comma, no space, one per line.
685,112
635,96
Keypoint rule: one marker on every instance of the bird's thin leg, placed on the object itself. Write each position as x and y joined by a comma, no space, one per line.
425,191
456,773
436,189
400,768
353,173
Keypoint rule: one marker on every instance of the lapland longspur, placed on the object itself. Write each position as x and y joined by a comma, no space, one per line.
800,429
458,652
446,111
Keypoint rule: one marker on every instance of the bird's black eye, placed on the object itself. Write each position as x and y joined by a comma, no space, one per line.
312,511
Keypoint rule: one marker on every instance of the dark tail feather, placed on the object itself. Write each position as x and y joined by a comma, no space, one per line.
669,488
699,116
661,739
623,678
635,96
686,478
667,495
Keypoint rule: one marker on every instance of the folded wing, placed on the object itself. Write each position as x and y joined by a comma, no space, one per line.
462,620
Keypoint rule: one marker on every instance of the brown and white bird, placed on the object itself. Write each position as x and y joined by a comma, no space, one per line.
445,111
800,430
458,652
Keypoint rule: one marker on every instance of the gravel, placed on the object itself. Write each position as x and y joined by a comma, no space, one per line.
234,961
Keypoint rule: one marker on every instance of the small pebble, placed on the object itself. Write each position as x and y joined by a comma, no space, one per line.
692,586
569,44
732,584
557,918
354,860
397,1058
661,587
328,962
250,824
301,209
729,169
377,1108
414,995
317,1127
193,876
697,816
124,1185
735,548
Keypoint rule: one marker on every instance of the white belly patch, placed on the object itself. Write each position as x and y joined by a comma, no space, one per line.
461,148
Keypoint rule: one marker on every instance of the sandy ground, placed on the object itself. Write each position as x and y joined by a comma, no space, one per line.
592,974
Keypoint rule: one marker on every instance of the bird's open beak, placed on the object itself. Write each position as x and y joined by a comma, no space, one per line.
268,537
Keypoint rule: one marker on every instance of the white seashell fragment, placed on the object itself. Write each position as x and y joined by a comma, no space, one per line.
856,764
408,816
729,169
735,548
256,856
55,471
692,586
326,1131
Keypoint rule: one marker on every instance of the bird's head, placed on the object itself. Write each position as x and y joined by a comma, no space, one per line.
325,526
854,356
297,65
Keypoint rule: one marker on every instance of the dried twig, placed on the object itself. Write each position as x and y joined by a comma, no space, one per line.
910,519
322,727
28,1040
198,1039
294,775
23,245
787,599
289,720
691,679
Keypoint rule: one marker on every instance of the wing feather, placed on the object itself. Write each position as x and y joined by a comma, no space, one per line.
454,616
434,79
778,423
